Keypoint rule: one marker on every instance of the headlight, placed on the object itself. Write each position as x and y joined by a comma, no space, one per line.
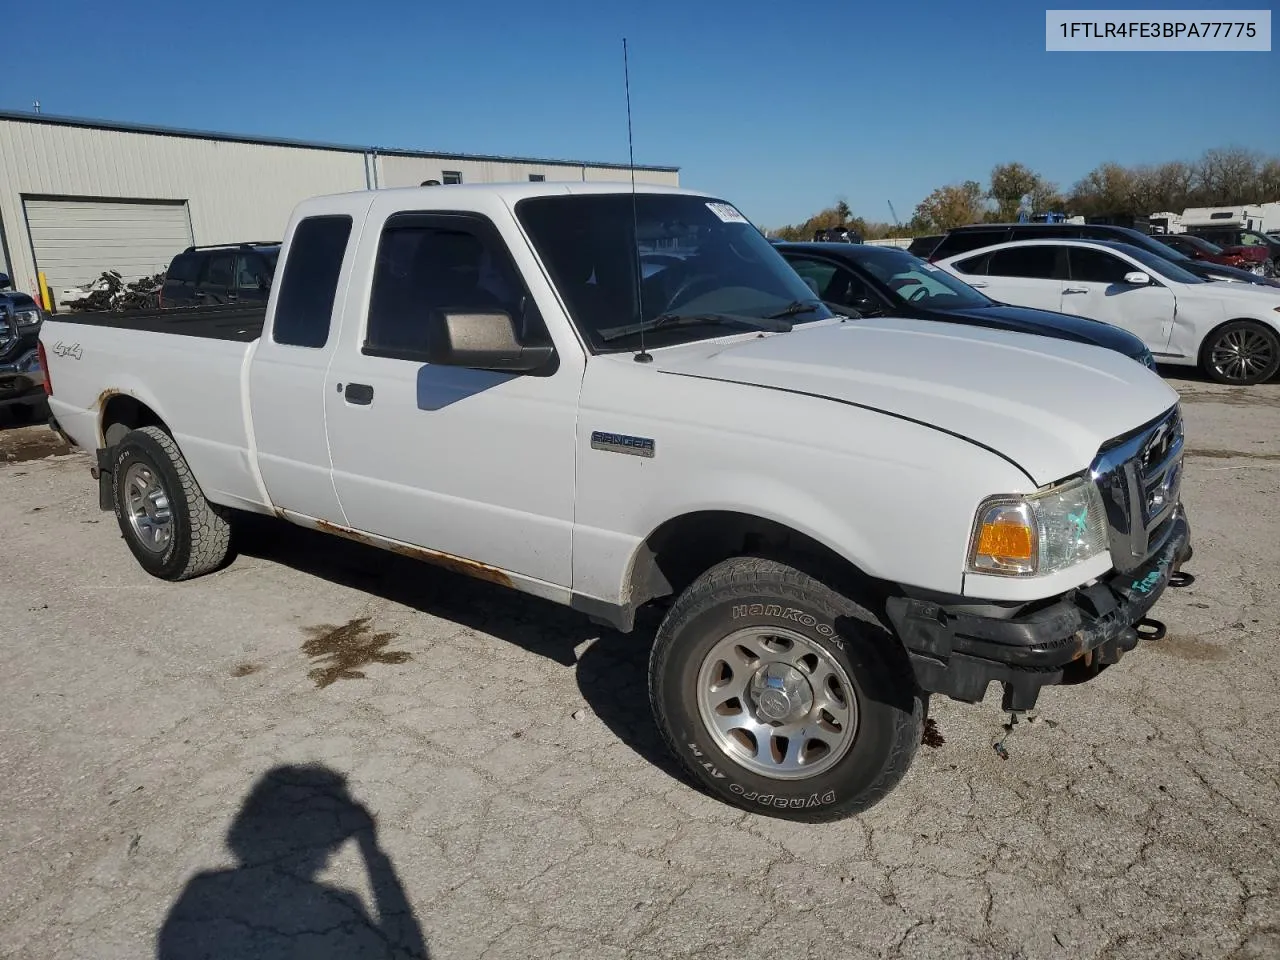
28,317
1039,533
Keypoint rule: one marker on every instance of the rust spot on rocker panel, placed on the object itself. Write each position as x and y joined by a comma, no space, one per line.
470,568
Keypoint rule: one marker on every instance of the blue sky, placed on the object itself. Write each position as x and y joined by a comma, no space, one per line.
781,107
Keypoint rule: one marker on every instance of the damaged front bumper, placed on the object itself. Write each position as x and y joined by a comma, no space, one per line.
959,653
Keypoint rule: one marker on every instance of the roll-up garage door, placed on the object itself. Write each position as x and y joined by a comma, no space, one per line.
75,241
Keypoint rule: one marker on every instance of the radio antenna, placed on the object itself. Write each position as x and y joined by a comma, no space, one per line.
643,356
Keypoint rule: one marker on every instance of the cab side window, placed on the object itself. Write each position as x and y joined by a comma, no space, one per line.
441,263
836,285
1097,266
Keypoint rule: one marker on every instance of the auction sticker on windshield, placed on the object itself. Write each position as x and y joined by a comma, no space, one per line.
726,212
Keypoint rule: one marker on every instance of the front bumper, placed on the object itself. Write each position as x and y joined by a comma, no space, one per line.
959,654
21,380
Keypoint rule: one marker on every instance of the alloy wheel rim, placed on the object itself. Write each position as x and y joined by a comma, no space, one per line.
777,703
1242,354
147,504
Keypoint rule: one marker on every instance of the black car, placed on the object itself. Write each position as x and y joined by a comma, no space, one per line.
21,375
223,273
974,236
889,281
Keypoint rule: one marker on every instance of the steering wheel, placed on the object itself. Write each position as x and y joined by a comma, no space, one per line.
919,293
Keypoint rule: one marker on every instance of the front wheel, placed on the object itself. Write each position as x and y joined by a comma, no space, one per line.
1242,352
782,696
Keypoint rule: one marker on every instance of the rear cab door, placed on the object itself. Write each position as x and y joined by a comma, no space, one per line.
286,382
1025,276
474,464
217,281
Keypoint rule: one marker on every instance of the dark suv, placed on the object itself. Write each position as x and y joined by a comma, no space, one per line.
1241,237
223,273
974,236
21,375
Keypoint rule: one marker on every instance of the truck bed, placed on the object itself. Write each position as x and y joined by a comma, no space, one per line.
220,322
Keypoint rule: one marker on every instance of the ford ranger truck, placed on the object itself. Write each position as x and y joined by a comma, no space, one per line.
616,401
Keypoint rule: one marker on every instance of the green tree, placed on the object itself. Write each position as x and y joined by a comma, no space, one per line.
951,206
1010,182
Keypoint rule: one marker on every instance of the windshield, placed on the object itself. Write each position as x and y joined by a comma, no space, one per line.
912,280
1203,244
696,257
1159,265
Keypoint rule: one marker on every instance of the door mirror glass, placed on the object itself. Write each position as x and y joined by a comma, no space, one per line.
482,341
1137,278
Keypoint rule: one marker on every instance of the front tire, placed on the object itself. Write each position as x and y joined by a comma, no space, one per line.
782,696
172,530
1242,353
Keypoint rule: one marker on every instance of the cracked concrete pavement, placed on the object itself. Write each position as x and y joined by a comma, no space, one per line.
523,806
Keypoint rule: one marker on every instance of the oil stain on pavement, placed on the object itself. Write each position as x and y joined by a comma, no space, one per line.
344,649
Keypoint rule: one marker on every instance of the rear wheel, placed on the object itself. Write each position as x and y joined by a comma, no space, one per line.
172,530
782,696
1242,352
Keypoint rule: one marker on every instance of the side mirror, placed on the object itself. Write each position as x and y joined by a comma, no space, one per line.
482,341
4,281
1137,278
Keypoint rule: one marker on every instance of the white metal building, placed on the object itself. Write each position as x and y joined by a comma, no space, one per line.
78,197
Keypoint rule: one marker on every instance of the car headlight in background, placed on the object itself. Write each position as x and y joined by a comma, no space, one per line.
1040,533
28,317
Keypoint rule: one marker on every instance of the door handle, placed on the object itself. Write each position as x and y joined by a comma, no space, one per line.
361,393
977,283
1075,290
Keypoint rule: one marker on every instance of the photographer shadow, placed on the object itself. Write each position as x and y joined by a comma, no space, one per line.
271,905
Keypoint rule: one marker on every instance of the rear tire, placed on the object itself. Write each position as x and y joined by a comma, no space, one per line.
1242,353
173,531
842,721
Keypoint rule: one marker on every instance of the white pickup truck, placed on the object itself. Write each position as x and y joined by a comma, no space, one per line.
614,400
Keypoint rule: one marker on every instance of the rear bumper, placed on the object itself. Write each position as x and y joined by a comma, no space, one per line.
959,654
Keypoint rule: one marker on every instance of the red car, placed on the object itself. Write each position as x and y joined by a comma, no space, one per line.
1253,259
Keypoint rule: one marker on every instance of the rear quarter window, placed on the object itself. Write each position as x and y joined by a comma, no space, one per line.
962,241
304,306
184,268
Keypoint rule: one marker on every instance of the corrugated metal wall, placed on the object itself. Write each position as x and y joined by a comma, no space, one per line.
401,171
234,191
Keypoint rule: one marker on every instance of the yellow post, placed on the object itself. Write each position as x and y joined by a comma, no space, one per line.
44,292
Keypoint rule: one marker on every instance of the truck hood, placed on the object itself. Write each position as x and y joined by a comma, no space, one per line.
1045,404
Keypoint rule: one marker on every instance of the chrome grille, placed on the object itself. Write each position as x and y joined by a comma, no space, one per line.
1140,479
8,329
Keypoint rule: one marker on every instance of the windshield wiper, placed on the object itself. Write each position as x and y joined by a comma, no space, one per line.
796,307
667,320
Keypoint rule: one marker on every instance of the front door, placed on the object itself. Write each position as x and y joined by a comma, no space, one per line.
1097,289
471,463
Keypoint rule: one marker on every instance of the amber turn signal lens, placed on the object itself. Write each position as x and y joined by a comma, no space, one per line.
1009,541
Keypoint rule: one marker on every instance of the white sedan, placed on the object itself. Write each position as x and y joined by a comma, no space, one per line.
1230,330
